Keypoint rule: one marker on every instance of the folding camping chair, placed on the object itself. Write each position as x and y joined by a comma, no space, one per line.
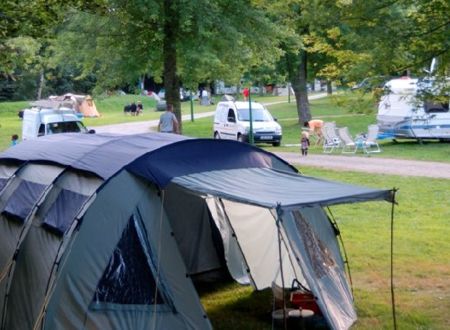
370,144
330,139
348,145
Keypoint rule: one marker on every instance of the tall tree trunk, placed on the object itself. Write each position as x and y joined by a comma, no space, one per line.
298,74
329,87
171,79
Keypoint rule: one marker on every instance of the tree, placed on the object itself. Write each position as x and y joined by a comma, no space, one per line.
26,30
173,40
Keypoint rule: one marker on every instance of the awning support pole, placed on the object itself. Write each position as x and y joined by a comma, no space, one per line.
394,191
279,212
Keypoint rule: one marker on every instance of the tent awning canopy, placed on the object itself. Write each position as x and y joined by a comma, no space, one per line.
271,189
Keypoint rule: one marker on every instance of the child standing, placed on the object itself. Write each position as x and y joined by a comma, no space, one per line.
304,142
14,139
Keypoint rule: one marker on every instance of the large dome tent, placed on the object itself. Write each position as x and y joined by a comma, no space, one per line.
105,231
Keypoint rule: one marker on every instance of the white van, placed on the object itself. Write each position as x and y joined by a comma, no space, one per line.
232,121
402,114
39,121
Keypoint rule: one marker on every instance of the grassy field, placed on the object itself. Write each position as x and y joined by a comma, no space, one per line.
421,258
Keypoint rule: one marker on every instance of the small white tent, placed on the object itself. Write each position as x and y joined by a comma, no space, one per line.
104,232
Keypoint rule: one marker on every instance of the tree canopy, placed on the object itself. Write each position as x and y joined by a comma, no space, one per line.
116,42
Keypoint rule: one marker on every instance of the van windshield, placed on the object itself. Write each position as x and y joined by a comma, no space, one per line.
257,115
66,127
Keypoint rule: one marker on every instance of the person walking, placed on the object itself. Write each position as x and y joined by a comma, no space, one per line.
168,122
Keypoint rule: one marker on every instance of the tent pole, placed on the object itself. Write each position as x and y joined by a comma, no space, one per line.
281,264
394,318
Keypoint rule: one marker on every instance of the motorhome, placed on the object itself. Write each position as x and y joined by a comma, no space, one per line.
44,120
403,113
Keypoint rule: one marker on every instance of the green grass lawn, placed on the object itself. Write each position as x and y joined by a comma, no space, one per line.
421,259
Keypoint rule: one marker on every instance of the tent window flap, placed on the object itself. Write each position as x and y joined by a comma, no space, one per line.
63,211
23,199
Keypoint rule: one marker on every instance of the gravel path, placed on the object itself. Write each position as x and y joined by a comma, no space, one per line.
371,164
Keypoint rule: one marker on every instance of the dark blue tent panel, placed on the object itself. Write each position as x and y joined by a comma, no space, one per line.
156,156
21,202
63,211
103,155
202,155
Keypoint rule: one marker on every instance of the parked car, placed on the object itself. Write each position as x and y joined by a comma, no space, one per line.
184,95
232,121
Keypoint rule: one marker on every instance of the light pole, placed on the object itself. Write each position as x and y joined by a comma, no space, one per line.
250,133
192,105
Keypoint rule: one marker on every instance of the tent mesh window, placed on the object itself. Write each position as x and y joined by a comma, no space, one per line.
63,211
128,279
319,255
22,200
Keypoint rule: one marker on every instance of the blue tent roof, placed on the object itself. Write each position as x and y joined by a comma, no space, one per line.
156,156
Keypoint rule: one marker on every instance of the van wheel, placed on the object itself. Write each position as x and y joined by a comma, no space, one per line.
216,136
240,138
276,144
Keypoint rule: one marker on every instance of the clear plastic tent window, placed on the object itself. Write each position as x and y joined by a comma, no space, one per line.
128,279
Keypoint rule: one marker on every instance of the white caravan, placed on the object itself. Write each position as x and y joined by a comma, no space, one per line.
402,114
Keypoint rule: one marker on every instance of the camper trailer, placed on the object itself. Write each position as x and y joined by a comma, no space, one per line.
402,114
39,121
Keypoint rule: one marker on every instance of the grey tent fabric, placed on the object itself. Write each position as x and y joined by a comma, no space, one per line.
126,196
13,232
269,188
38,254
